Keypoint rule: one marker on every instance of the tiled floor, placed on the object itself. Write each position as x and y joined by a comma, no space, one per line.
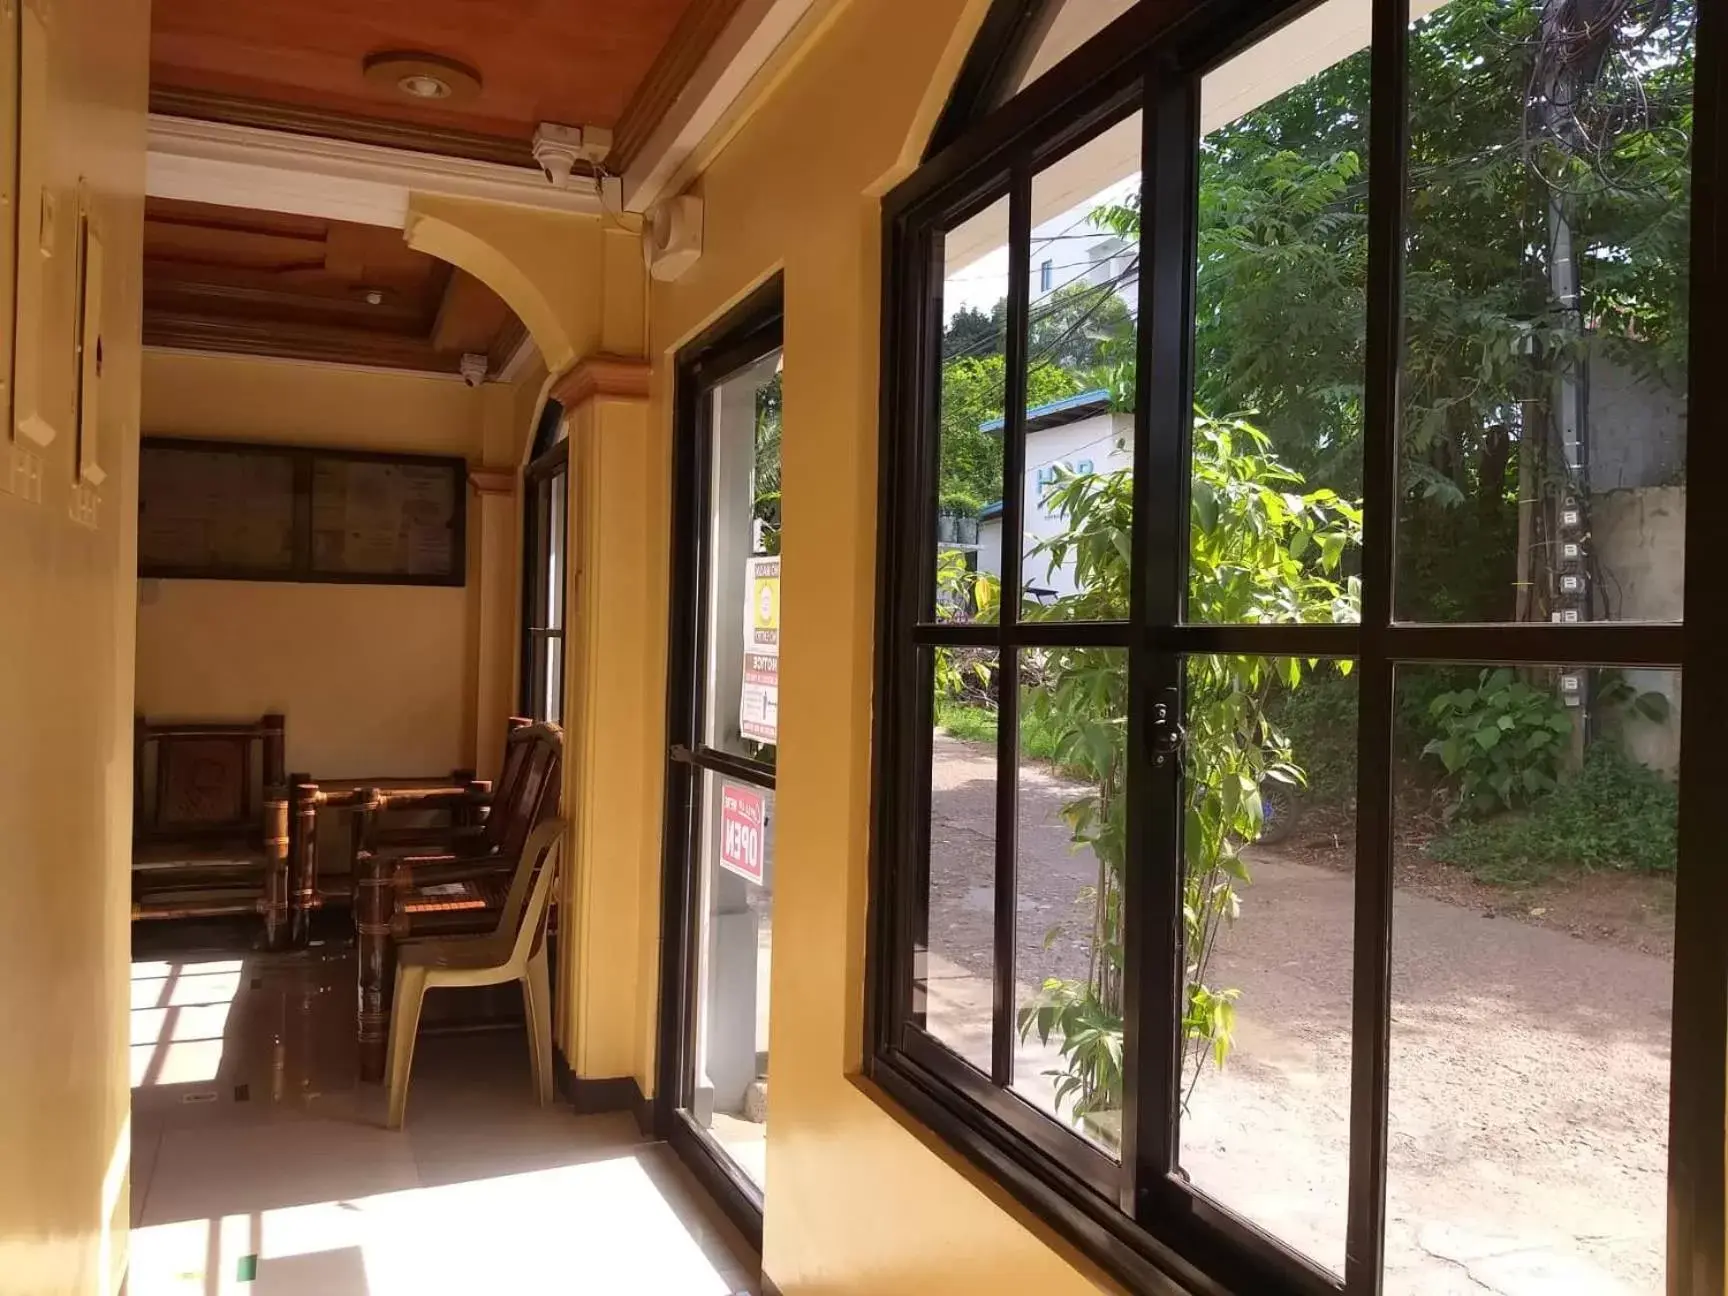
261,1168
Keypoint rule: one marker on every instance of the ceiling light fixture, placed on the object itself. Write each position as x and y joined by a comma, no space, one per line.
426,78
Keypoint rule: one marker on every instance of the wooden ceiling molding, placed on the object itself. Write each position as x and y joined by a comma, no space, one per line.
266,283
574,62
697,33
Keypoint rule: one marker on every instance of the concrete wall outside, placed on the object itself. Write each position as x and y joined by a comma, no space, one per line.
1639,538
1637,425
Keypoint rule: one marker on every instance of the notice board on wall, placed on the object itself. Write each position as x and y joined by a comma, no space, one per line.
235,511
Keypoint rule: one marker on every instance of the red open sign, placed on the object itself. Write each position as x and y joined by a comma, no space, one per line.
742,839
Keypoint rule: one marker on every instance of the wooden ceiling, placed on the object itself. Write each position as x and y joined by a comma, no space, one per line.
263,283
299,65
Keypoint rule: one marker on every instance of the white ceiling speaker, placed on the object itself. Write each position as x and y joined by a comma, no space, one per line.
672,236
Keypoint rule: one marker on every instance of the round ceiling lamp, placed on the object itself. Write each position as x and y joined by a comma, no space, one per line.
426,78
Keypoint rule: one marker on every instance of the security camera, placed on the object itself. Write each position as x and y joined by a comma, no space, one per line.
559,149
473,368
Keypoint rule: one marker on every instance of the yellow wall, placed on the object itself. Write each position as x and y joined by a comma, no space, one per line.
373,679
856,1202
66,626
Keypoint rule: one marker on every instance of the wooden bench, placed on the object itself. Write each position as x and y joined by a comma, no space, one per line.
210,830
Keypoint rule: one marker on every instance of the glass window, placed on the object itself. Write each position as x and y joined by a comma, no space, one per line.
1532,977
1071,855
955,970
974,388
545,504
743,558
1076,450
1218,910
1268,904
1280,321
1545,332
730,1081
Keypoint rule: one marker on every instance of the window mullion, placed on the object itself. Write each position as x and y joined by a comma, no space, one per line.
1370,1047
1008,666
1152,890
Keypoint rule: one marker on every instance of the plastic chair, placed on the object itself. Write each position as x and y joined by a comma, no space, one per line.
514,951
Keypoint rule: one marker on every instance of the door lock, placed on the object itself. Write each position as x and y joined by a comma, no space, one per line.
1168,735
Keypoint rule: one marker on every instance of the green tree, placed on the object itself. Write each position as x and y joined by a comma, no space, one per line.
972,395
1496,152
1073,328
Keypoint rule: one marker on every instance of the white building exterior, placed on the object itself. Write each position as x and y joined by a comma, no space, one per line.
1080,434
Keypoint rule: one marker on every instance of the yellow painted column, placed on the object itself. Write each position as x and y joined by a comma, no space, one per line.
859,1199
615,734
68,611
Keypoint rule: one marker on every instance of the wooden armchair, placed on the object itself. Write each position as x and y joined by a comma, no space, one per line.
210,831
453,881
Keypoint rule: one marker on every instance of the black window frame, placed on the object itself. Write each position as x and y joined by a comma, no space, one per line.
1139,1221
547,472
750,331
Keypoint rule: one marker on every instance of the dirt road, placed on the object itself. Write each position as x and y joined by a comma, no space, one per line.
1529,1067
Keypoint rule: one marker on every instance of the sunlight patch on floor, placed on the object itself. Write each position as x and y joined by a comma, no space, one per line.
179,1017
600,1226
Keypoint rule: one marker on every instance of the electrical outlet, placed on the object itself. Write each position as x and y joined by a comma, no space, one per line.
85,505
24,474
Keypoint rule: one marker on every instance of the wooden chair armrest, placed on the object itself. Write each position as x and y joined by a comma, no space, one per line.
475,794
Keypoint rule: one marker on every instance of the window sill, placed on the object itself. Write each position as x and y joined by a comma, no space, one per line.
1065,1204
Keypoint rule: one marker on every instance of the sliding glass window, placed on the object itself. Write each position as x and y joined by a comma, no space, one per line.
1294,865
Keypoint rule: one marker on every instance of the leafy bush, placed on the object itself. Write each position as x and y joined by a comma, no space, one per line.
1319,719
1614,814
1502,740
1263,550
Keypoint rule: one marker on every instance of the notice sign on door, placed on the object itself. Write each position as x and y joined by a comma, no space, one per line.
759,706
742,831
759,703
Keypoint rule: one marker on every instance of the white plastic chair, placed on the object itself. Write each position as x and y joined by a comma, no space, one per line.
514,951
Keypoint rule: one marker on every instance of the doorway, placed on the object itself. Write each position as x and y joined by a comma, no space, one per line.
721,749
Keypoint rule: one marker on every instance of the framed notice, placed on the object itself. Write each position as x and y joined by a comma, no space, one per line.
216,510
759,699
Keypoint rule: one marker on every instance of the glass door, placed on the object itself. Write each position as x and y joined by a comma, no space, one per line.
723,742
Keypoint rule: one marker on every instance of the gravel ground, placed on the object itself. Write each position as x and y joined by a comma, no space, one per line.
1529,1064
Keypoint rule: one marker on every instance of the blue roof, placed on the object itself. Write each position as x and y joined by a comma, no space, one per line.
1056,412
989,511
